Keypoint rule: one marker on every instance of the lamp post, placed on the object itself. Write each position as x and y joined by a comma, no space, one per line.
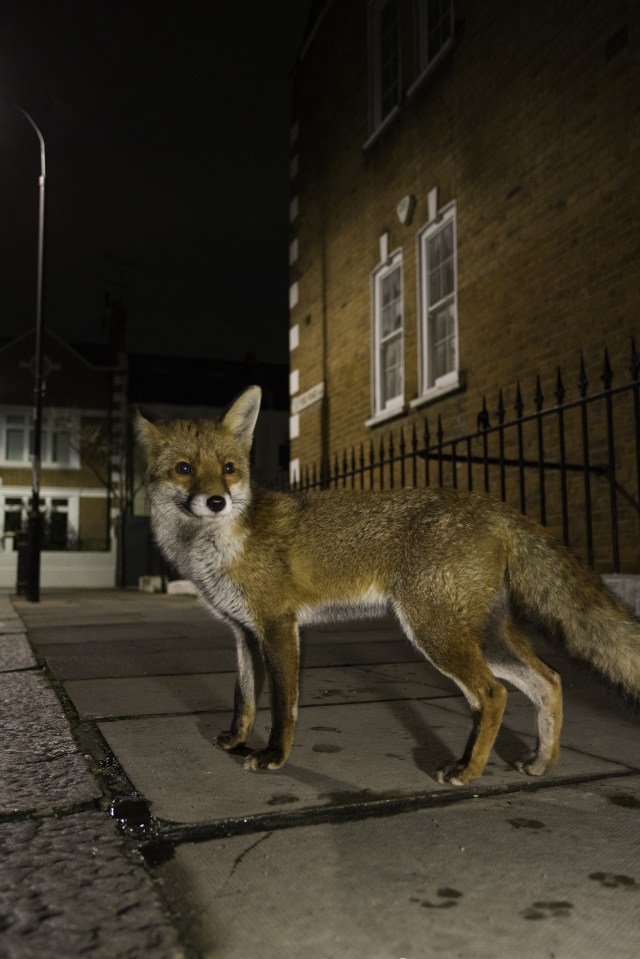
34,528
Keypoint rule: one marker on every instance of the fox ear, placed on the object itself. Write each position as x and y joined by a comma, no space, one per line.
241,416
146,432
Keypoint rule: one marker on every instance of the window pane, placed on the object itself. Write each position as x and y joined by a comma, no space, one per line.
440,264
57,530
436,27
388,57
435,286
14,445
13,521
13,514
443,344
435,250
385,60
391,314
61,449
446,237
391,370
447,278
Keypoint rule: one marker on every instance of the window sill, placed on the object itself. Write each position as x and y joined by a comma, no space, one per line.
54,467
385,416
381,128
438,392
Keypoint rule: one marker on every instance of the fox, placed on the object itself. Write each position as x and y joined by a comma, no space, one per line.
469,579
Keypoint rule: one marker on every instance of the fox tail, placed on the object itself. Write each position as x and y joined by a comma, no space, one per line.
551,588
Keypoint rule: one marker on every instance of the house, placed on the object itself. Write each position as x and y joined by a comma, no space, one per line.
96,530
464,210
83,423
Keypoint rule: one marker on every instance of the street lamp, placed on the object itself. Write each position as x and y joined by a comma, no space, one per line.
34,528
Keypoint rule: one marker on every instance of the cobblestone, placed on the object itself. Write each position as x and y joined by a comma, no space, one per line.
40,767
15,652
67,888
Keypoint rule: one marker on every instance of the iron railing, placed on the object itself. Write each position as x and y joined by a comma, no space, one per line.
574,465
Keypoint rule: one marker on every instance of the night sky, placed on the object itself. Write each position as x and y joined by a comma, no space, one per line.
167,140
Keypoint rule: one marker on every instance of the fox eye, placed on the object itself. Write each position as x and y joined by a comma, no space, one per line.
229,468
183,468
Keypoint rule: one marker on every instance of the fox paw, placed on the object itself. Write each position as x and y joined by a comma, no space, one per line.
228,740
454,773
531,765
265,759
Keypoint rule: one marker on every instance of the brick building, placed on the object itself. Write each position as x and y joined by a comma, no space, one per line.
464,209
82,441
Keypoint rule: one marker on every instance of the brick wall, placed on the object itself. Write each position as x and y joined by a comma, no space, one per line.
530,125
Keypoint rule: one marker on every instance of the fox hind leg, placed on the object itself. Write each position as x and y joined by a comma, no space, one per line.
454,648
511,657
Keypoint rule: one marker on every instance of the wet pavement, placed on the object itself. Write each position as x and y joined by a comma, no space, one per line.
125,833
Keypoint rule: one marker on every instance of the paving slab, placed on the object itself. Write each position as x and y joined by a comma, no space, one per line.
528,875
41,769
210,692
169,655
67,889
342,754
135,632
124,654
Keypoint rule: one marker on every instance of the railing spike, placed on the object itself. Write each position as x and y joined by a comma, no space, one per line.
583,382
634,368
607,372
560,391
519,405
483,416
539,396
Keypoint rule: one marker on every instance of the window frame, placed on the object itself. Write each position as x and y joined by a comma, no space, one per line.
425,61
425,65
377,118
50,430
51,501
394,405
432,387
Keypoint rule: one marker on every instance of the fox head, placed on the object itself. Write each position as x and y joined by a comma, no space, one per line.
200,468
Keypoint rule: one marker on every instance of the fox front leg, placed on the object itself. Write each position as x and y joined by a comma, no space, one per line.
282,657
247,691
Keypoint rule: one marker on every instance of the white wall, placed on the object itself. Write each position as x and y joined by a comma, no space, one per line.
68,569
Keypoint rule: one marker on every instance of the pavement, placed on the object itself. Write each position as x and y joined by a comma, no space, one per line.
125,833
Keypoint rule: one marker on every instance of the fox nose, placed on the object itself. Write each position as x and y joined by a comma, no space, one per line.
216,503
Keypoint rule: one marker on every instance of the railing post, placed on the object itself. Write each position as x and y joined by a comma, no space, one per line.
519,408
539,401
503,479
607,379
483,426
634,369
427,442
414,454
583,384
563,459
